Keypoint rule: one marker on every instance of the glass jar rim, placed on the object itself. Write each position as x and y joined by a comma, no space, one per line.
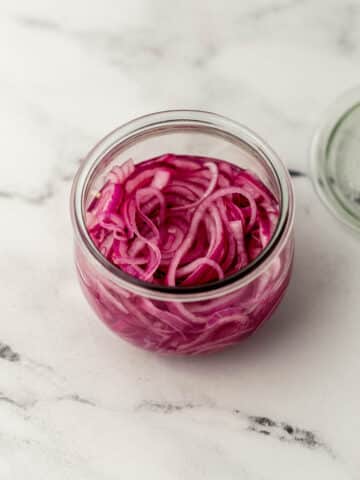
331,123
183,118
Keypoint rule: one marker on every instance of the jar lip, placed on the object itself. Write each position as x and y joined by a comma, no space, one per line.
183,117
322,146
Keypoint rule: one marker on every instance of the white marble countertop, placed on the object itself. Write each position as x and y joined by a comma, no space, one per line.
76,402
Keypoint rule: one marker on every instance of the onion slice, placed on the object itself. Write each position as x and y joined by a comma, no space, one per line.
180,220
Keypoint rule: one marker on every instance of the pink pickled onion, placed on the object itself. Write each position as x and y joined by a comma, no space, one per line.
181,220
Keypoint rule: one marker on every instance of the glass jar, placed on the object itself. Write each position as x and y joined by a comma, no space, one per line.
184,320
335,164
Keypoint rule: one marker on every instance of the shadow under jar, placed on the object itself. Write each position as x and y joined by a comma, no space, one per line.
201,318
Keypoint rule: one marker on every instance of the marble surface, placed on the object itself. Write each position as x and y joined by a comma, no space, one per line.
77,403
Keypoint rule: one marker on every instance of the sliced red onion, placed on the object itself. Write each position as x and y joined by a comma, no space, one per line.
181,220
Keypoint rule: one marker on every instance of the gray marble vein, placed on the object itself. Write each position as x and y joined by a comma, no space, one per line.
74,397
38,199
38,23
346,40
296,173
279,430
285,432
7,353
275,8
164,407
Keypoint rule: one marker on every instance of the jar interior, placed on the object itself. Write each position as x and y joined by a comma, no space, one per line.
182,140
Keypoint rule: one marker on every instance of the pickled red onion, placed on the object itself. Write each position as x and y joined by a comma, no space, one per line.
180,220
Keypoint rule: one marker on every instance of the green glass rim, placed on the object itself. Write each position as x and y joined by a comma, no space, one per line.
323,142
